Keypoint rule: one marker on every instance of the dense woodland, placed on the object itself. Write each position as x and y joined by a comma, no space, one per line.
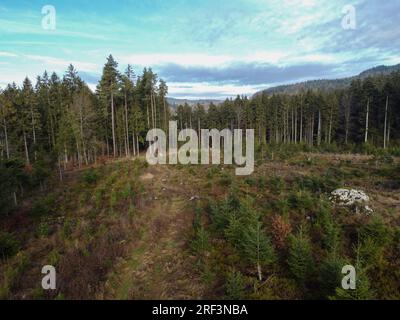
58,124
365,113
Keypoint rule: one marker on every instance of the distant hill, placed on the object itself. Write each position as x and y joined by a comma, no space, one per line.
174,103
331,84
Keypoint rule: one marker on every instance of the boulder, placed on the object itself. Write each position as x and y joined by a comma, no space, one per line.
355,199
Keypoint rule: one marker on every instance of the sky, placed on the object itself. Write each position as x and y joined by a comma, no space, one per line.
203,49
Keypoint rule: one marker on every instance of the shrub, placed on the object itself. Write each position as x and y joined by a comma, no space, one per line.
44,207
280,231
363,289
43,230
235,285
250,181
327,229
300,260
53,258
9,246
302,201
90,177
255,246
375,238
68,228
330,276
225,180
221,212
13,274
201,242
276,184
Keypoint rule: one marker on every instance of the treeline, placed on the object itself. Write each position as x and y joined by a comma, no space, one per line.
59,123
368,112
65,119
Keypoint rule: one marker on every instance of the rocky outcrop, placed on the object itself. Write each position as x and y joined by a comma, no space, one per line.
351,198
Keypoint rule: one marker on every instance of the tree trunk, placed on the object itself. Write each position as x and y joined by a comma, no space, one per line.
33,132
155,110
148,112
367,123
301,124
127,151
385,126
165,115
26,149
319,128
295,124
113,125
82,136
133,144
53,139
65,156
258,254
152,110
137,145
6,138
330,126
59,169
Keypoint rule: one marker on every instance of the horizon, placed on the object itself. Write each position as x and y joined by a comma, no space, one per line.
203,50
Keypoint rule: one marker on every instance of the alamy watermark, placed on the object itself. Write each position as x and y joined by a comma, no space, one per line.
349,21
49,17
349,280
49,280
197,149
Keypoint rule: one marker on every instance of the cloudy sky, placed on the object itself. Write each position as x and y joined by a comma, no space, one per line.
202,48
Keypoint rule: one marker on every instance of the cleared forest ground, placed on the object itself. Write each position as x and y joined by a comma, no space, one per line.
125,230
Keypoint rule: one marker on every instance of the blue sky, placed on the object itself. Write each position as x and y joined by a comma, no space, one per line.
203,49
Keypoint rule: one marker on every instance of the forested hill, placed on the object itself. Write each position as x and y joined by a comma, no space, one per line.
327,85
174,102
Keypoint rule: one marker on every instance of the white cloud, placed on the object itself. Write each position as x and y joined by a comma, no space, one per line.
191,59
57,64
7,54
206,90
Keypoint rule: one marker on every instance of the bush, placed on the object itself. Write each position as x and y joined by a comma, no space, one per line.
330,276
201,242
302,201
43,230
300,260
276,184
44,206
281,229
13,274
375,238
53,258
9,246
68,228
90,177
235,285
330,181
225,180
363,289
326,228
255,246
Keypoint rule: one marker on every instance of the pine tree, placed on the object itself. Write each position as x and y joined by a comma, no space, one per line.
108,90
235,285
256,247
300,260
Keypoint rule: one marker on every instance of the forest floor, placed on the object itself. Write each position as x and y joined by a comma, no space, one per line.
127,233
159,265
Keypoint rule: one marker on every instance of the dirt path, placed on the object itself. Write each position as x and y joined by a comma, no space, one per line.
159,265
